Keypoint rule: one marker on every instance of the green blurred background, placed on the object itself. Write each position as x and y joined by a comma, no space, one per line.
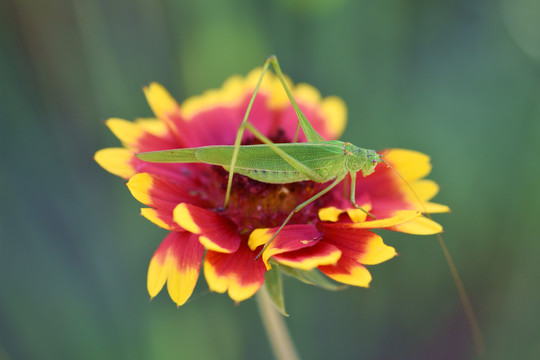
456,79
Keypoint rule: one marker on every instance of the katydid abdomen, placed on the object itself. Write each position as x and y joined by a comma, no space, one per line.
261,163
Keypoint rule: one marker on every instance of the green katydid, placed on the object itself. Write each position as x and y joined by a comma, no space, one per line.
316,160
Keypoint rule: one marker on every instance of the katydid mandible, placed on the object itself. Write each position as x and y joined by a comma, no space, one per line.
316,160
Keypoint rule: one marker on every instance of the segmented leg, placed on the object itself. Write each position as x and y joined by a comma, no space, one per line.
353,195
298,208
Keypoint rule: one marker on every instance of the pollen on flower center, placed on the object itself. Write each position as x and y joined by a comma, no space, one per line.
255,204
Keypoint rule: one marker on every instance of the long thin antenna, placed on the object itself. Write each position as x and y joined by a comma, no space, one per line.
463,296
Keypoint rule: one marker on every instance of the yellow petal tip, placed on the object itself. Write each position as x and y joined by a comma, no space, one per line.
139,186
159,99
116,161
183,218
259,237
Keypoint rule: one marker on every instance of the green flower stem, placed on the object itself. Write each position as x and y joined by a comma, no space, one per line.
276,330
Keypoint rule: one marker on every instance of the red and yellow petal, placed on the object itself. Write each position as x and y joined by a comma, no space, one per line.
327,115
160,100
425,190
358,247
375,252
387,189
177,262
359,244
163,105
348,271
131,133
152,126
332,213
227,105
140,136
310,257
224,122
418,226
160,218
127,131
116,161
406,221
389,219
159,192
434,208
290,238
412,165
385,218
216,233
230,94
335,111
162,195
238,273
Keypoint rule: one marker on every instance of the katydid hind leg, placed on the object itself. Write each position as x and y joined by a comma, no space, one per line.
311,134
309,131
298,208
240,133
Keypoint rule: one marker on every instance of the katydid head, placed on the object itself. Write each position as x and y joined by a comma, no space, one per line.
360,159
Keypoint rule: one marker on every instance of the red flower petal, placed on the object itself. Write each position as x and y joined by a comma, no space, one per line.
238,273
176,261
133,133
159,100
361,245
309,258
347,271
217,233
290,238
218,125
358,246
161,193
418,226
116,161
162,219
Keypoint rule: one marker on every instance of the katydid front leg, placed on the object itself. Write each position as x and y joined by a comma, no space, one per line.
353,195
300,207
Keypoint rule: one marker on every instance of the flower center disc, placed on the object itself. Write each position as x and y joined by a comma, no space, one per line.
254,204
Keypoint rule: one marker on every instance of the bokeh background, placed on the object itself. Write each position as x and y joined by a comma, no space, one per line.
456,79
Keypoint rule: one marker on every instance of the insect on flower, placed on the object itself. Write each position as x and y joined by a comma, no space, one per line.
284,198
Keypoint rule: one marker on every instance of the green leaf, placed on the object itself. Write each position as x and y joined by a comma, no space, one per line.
274,286
292,272
320,280
312,277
